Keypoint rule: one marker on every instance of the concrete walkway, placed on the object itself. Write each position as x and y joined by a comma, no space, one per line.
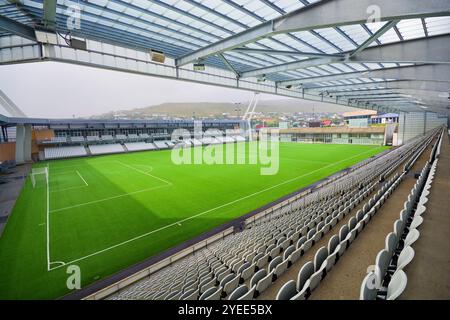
10,187
429,272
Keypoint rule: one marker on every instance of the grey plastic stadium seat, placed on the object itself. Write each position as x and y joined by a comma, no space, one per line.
368,288
248,272
300,242
257,257
190,295
273,264
343,232
351,236
317,236
287,291
359,227
244,266
307,245
275,252
352,223
397,285
417,221
320,257
319,267
333,249
303,276
207,285
211,294
281,268
226,279
262,261
391,243
382,262
223,274
405,257
249,295
231,284
257,276
238,292
264,283
288,252
286,243
398,228
412,237
175,295
311,234
295,255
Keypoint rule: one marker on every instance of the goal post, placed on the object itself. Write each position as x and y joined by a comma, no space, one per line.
39,172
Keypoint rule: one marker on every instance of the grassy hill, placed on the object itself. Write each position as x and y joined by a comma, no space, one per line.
209,109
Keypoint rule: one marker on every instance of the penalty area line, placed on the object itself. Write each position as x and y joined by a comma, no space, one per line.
82,178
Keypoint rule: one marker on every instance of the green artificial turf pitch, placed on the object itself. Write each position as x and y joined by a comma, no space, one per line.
108,212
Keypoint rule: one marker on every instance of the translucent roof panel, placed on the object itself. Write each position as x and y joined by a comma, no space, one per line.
411,29
438,25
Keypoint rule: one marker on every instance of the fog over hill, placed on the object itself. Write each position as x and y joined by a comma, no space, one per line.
209,109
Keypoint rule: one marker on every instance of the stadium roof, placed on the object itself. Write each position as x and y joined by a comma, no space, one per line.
374,54
119,123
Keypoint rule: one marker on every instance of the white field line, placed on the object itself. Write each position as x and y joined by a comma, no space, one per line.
144,172
82,178
48,219
207,211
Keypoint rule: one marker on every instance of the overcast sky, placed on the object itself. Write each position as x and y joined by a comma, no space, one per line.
50,89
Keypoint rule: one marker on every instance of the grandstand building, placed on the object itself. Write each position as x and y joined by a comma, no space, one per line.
355,212
345,135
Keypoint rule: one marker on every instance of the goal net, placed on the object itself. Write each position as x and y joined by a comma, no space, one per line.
39,175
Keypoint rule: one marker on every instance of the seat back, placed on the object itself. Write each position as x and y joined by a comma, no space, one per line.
257,276
320,257
368,288
391,243
397,285
333,243
238,292
304,274
287,291
343,232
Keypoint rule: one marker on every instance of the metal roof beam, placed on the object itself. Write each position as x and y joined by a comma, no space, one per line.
396,84
374,37
425,50
325,14
424,72
17,28
288,53
49,14
229,65
290,66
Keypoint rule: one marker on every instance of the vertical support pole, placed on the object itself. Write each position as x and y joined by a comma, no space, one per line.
20,140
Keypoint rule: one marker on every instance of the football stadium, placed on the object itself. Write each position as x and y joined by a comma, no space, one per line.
318,205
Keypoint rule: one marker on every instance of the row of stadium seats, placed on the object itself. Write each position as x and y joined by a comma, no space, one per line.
106,148
388,280
131,137
138,146
64,152
96,149
245,264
